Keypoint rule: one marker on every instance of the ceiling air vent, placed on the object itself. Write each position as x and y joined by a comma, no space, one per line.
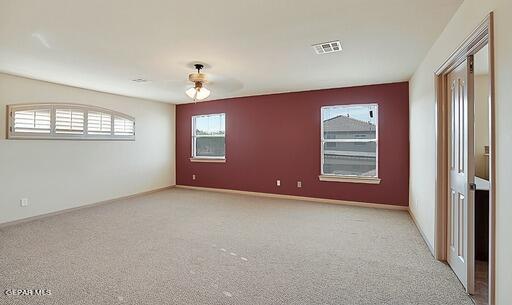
327,47
140,80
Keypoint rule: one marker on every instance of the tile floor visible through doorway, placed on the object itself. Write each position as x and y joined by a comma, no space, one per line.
481,296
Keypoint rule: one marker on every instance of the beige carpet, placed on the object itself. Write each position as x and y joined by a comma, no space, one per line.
192,247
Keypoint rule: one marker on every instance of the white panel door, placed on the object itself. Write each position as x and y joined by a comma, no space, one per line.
462,172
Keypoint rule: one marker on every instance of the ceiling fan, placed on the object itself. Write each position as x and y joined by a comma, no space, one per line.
198,86
199,92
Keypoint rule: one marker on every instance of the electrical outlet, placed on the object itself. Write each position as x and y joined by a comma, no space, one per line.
193,177
24,202
299,183
278,182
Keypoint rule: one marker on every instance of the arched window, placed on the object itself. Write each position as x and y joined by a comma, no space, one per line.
68,122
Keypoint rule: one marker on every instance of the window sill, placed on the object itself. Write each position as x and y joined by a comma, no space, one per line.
208,160
369,180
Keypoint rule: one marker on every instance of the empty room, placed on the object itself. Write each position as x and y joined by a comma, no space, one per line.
256,152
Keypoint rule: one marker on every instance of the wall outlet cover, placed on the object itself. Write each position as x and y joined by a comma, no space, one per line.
24,202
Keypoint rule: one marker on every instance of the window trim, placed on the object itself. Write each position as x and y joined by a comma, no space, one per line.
349,178
208,159
12,135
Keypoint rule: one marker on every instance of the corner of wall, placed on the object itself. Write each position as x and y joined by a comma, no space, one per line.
173,142
430,246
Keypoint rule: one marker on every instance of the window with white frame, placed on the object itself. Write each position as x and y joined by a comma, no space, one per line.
208,136
68,122
349,141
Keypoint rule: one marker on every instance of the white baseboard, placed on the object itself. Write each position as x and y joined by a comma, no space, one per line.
268,195
31,218
311,199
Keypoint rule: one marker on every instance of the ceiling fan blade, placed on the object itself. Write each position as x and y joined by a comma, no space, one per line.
225,84
174,84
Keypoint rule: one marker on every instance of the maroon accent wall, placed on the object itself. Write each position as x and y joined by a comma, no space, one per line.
277,136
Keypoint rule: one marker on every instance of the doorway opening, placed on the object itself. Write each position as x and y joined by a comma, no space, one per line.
465,184
482,182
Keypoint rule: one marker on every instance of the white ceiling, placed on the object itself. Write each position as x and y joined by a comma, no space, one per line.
251,47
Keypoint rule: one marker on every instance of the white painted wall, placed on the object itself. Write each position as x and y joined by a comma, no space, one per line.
422,128
481,125
56,175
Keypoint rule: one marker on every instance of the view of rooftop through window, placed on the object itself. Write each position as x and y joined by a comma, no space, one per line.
349,140
358,112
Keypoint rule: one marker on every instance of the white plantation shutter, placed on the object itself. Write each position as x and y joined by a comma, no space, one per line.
99,123
123,127
32,121
69,121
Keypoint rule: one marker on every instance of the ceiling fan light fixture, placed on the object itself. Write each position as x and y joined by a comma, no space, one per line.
191,93
198,92
202,93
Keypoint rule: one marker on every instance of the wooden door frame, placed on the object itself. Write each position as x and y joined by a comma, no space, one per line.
483,35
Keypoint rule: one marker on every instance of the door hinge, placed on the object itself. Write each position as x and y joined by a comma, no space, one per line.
471,65
472,186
